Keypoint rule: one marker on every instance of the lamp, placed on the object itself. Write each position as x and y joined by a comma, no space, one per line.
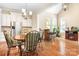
26,14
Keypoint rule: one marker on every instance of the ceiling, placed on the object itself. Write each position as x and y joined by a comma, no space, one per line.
54,9
35,7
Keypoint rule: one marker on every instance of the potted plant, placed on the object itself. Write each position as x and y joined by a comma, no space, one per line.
58,32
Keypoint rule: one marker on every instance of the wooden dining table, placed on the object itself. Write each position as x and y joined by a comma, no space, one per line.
20,39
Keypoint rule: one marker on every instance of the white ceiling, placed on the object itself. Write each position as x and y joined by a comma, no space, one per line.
54,9
35,7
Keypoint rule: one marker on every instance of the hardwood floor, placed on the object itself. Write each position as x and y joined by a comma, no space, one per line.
57,47
60,47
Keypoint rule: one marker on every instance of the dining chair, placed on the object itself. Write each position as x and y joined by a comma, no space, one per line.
11,43
41,39
41,35
30,44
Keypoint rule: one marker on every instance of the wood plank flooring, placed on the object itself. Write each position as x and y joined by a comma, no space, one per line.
57,47
60,47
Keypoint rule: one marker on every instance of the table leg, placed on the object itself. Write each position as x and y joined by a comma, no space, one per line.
20,50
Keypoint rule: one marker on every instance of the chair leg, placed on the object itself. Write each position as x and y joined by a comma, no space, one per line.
27,53
36,54
8,52
24,54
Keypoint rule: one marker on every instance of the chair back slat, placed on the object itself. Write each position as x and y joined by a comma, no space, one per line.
31,40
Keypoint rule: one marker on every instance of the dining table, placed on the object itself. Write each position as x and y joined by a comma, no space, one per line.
20,39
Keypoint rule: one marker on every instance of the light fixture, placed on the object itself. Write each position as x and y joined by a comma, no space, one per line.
26,14
65,7
30,12
23,10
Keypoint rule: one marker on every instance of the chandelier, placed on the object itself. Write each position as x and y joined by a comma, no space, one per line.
26,14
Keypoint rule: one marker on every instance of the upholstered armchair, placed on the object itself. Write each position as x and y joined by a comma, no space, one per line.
10,42
30,44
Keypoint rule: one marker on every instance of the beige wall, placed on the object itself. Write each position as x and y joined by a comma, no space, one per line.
71,15
34,22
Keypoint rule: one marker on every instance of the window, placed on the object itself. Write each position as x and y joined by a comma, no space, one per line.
51,22
62,25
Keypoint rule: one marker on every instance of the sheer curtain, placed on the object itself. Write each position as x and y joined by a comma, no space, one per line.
2,38
0,22
62,25
53,22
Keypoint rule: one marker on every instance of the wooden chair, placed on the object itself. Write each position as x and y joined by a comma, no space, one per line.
31,41
41,35
10,42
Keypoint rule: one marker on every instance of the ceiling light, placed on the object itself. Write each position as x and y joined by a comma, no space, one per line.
26,14
23,10
65,6
30,12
